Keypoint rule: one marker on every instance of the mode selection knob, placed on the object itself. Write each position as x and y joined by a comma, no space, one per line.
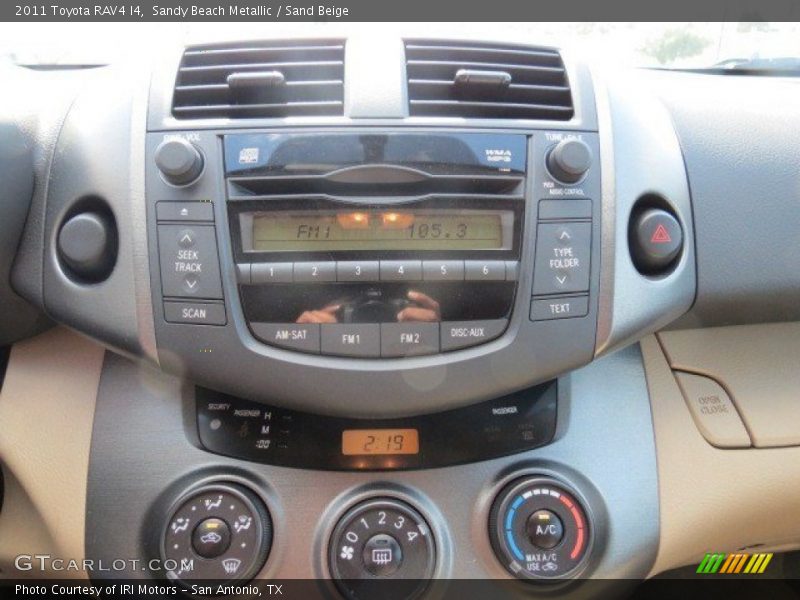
539,529
179,161
220,532
382,548
569,160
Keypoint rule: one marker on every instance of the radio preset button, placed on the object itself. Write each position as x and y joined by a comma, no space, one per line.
361,340
462,334
289,335
562,258
311,272
189,262
484,270
409,339
363,270
401,270
443,270
271,273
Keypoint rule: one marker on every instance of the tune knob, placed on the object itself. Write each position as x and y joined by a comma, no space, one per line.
569,160
179,161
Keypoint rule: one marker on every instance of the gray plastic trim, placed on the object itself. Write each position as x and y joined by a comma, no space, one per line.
100,155
373,86
640,156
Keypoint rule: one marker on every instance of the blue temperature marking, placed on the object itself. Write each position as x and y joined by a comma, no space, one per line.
509,533
513,544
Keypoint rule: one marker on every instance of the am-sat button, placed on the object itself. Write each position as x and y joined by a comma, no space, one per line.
304,338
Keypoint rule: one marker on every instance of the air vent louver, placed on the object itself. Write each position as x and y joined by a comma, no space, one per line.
466,79
261,80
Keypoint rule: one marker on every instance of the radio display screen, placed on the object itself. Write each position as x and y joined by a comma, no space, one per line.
401,229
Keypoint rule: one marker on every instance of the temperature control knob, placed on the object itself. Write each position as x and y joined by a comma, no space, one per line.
179,161
382,548
569,160
539,529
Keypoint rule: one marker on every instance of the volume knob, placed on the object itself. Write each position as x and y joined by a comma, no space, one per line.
179,161
569,160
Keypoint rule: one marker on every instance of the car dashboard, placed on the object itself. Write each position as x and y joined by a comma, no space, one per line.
391,313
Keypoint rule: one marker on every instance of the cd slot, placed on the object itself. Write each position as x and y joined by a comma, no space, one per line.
252,187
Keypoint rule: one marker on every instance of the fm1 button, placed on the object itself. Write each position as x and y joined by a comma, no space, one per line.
545,529
656,240
382,555
211,538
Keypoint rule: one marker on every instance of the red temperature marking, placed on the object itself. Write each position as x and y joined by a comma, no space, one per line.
579,542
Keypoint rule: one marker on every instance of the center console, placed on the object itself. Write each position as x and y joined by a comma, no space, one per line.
371,308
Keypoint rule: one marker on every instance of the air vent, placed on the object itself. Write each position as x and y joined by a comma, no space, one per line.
261,80
454,79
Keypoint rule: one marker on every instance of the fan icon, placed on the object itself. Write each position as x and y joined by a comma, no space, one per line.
346,553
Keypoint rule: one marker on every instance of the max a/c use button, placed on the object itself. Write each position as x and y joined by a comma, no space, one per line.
545,309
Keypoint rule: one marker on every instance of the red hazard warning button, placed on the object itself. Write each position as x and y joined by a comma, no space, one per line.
660,235
656,240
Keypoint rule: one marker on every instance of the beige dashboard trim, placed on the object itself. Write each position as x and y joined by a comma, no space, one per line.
711,499
46,414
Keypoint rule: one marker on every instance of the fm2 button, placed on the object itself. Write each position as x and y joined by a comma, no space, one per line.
655,239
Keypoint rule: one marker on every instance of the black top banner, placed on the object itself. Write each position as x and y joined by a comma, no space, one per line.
405,10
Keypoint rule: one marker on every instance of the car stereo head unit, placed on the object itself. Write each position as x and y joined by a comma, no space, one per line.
373,271
376,246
